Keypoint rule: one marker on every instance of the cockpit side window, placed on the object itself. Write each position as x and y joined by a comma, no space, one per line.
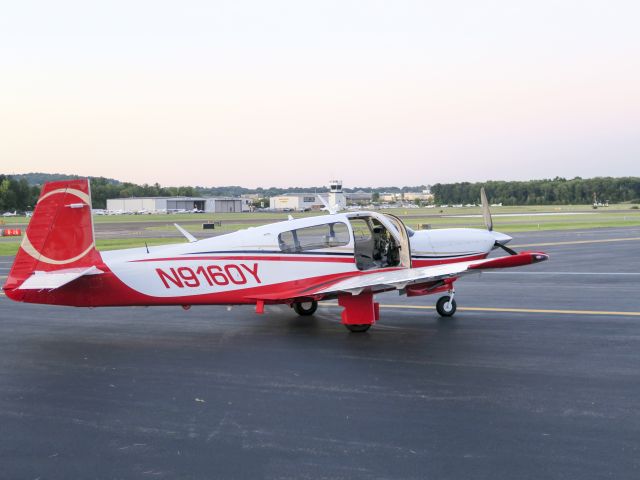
328,235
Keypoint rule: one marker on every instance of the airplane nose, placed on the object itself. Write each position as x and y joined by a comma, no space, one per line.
501,238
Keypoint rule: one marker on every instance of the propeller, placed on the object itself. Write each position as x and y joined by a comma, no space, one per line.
510,251
486,214
488,221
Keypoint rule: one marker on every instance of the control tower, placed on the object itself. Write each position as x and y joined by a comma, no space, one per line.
336,196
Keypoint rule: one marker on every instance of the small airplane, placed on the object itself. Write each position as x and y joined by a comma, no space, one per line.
347,256
10,214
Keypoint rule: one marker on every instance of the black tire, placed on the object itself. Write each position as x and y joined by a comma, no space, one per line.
359,328
441,306
305,308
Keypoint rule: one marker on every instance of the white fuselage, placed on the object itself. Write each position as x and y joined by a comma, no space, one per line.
254,259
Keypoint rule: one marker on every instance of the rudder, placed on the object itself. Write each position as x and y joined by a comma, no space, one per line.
60,233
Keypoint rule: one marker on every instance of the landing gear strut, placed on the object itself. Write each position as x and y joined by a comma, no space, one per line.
305,308
446,306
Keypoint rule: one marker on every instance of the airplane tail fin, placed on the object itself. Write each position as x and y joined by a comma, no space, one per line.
59,238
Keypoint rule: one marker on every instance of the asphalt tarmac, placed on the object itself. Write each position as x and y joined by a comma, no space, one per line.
546,388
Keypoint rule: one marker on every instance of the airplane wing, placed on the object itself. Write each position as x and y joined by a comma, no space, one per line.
383,280
399,279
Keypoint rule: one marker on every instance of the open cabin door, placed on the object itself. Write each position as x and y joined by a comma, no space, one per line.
380,241
403,238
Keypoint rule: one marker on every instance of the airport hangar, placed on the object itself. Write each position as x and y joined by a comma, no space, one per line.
155,204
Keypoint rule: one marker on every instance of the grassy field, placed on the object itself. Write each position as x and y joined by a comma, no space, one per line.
505,219
10,246
265,217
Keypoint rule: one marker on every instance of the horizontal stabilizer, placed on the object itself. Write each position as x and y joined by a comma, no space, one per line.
56,279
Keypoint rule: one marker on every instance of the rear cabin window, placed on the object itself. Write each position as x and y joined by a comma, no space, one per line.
313,238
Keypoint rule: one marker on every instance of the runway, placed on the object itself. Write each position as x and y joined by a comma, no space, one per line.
537,376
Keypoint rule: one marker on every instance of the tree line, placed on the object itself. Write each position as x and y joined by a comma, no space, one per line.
20,192
103,188
17,194
557,191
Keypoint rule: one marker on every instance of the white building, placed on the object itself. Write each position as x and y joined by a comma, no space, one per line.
295,202
172,204
300,202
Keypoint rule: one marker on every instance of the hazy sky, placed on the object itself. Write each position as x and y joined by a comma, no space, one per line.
278,93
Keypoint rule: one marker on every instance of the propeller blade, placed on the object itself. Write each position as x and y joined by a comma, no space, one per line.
506,249
488,221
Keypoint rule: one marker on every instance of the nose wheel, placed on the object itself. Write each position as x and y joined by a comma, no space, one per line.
446,306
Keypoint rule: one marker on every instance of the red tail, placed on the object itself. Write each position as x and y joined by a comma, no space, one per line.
60,233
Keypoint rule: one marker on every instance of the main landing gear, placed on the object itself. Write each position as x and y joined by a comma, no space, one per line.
305,309
446,306
358,328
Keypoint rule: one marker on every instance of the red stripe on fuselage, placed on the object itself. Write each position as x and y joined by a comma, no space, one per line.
416,262
254,258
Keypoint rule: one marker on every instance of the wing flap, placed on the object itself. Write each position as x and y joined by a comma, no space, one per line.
56,279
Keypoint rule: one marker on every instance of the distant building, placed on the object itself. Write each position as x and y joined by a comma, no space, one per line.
389,197
174,204
424,196
297,202
359,197
310,201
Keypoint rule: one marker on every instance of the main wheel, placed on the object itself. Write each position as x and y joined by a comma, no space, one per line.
445,307
359,328
305,308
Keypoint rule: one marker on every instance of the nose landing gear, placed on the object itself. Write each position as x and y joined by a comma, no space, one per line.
446,306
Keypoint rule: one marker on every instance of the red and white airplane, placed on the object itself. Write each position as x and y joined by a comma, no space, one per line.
344,256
